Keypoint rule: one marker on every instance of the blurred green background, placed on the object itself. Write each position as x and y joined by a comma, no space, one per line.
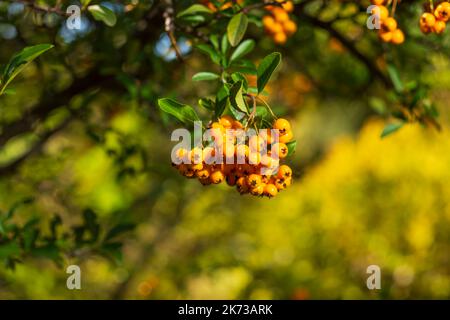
82,136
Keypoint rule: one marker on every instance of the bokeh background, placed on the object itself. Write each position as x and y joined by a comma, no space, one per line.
82,137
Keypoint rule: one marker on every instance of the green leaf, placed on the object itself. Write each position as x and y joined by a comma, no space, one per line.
209,50
391,128
244,48
206,103
266,68
236,28
225,45
205,76
395,78
19,61
104,14
194,9
9,249
221,100
237,98
292,146
182,112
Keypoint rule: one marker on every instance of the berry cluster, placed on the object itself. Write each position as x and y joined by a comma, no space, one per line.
389,31
260,172
278,24
435,20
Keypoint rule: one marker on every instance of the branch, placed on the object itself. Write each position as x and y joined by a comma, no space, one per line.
348,44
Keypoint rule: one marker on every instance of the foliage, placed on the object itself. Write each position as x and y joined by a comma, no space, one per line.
85,173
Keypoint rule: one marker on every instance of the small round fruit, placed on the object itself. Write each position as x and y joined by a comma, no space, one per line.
290,27
280,38
226,121
258,190
284,172
254,180
439,27
382,11
398,37
385,36
428,19
270,190
390,24
286,137
282,125
280,150
442,11
202,174
241,185
217,177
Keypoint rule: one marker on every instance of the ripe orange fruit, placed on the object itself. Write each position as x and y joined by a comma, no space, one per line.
428,19
270,190
390,24
439,27
217,177
285,138
284,172
282,125
398,36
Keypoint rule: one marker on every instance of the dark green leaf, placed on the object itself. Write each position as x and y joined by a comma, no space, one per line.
19,61
209,50
266,68
244,48
182,112
206,103
104,14
194,9
221,100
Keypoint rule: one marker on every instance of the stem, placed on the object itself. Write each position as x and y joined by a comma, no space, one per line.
267,106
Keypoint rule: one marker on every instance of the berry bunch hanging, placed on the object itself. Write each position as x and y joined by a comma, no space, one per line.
434,21
389,31
278,23
259,173
244,142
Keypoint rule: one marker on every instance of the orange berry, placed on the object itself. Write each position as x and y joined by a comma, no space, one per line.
203,174
241,185
442,11
254,180
428,19
390,24
398,37
290,27
288,6
382,11
258,190
285,138
284,172
280,38
217,177
282,125
280,150
270,190
280,14
439,27
385,36
226,121
377,2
